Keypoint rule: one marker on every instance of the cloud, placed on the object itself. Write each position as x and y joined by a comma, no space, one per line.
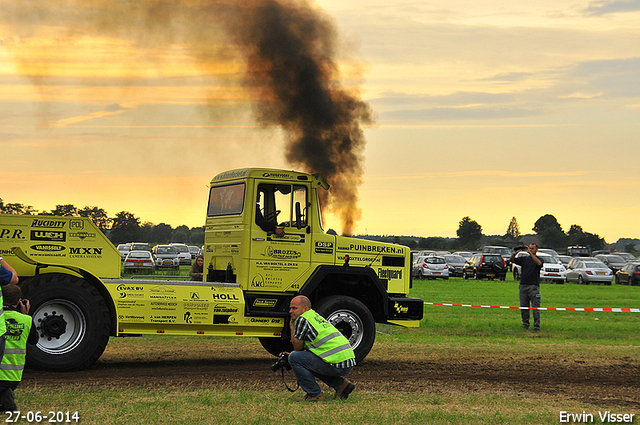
605,7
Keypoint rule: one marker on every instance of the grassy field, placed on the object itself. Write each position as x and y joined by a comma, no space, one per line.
459,334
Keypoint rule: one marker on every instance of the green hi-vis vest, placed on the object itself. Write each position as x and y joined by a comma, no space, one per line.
15,350
3,327
330,345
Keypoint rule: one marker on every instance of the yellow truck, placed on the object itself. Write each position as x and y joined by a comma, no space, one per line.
264,244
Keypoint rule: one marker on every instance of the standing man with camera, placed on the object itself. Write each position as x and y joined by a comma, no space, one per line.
529,283
321,351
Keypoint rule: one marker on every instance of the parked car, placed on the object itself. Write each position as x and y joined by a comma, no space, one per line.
614,262
166,256
139,260
585,270
549,251
464,254
194,251
629,274
552,270
564,259
184,255
455,263
502,250
627,256
124,249
430,267
488,266
140,246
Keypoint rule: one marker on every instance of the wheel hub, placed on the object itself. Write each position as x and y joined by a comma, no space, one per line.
53,325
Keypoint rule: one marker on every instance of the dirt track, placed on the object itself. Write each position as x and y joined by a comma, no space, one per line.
614,384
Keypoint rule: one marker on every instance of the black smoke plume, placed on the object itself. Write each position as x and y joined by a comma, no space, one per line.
289,51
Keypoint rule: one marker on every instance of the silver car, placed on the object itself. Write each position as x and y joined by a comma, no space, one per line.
585,270
139,260
166,256
184,255
430,267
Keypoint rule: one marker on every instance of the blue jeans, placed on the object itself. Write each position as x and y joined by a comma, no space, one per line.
307,367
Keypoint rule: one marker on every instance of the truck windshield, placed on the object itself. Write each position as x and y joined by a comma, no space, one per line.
226,200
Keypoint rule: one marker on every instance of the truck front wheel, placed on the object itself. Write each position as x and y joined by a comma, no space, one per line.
72,320
351,317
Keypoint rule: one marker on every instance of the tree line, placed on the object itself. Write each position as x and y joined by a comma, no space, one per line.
126,227
471,238
122,228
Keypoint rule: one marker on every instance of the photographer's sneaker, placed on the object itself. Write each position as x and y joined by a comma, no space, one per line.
310,398
345,389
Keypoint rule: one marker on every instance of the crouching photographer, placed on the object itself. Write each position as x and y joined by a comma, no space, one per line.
320,351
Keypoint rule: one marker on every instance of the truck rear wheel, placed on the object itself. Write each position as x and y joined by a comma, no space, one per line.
351,317
72,320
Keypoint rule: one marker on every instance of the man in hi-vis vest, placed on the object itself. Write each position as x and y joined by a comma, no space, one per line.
19,332
321,351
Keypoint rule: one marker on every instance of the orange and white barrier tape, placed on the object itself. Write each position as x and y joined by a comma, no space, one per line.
606,309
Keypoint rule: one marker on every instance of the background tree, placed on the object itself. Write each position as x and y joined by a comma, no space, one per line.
161,233
66,210
15,208
98,216
181,234
545,222
125,228
469,233
577,236
553,238
513,231
196,236
631,247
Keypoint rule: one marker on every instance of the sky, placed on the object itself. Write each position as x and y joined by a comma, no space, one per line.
487,109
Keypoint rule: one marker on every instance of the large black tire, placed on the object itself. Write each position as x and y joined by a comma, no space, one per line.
275,346
72,320
351,317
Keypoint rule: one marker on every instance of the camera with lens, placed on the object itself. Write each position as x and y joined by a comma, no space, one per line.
283,362
520,248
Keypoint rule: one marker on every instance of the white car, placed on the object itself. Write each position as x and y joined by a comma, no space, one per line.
124,249
184,255
552,270
430,267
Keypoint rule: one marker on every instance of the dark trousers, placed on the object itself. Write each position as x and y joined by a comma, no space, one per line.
530,297
7,400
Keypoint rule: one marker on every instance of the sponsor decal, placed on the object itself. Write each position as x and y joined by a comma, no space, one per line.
224,297
221,308
389,274
131,318
231,174
258,320
123,287
400,308
48,247
277,175
375,248
82,235
11,234
257,281
48,235
163,319
55,224
324,247
265,302
282,253
76,224
80,251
